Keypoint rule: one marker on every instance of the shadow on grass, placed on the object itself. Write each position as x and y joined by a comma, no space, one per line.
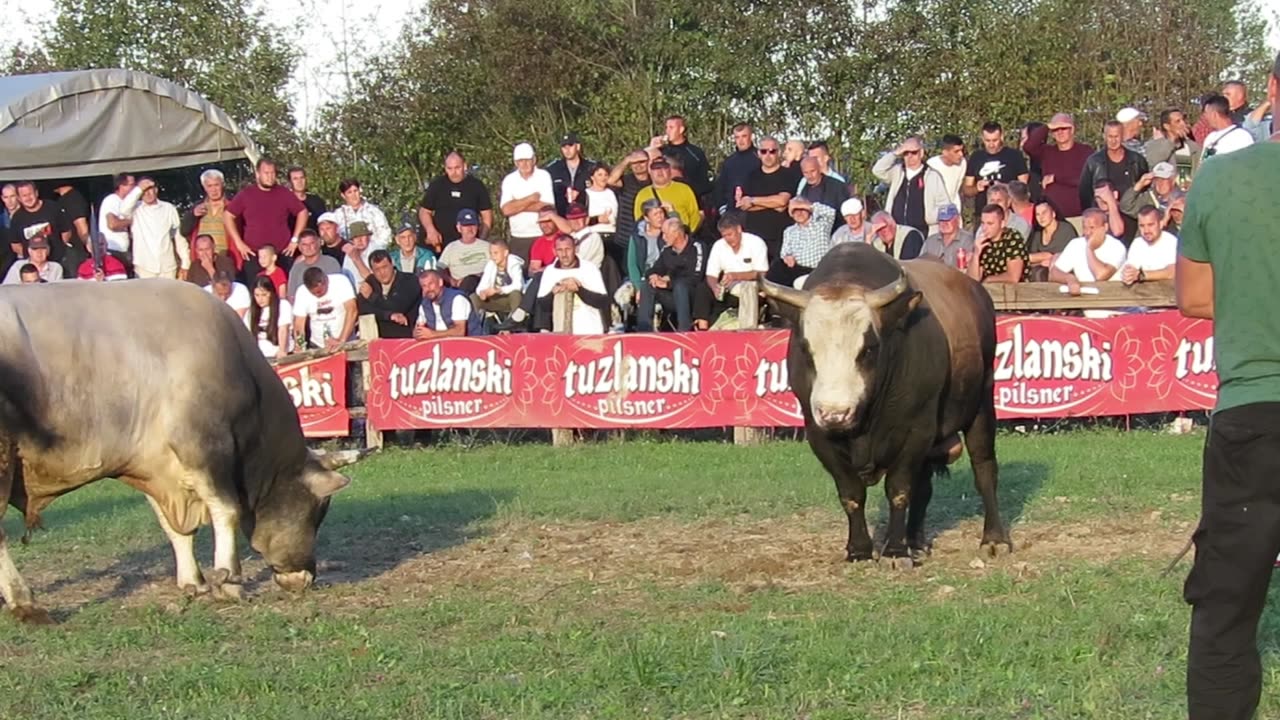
362,537
955,498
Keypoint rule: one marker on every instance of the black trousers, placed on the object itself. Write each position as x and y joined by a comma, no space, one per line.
1236,546
781,274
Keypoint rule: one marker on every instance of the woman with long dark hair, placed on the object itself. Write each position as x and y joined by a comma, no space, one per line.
270,318
1049,237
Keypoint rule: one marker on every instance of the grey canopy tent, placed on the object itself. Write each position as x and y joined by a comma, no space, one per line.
99,122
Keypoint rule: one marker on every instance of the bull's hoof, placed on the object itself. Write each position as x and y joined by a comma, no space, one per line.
32,615
903,562
218,576
859,555
229,592
996,548
192,591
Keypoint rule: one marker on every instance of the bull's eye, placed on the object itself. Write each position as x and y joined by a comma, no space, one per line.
867,352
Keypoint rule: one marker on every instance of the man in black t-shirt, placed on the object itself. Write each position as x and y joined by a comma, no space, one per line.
448,194
75,213
37,218
313,202
993,163
766,195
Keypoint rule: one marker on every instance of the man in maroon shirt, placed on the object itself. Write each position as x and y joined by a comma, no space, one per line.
1062,163
259,215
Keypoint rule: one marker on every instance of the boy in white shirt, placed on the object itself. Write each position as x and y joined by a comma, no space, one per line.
501,281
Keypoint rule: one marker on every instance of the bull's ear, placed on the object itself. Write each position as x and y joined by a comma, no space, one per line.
325,483
895,314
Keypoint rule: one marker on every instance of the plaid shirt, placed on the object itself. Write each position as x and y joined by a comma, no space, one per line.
809,242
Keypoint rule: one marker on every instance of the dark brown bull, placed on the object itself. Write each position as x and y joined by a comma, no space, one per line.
891,361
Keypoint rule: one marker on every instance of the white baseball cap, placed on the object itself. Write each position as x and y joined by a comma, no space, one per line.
523,151
1164,170
1127,114
327,217
852,206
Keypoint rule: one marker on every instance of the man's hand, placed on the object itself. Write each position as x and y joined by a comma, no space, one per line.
146,184
332,344
1073,285
1102,198
657,281
1144,181
982,184
789,260
571,194
399,319
365,290
243,249
1129,274
200,210
281,353
291,249
744,202
434,238
182,274
535,266
420,332
568,285
637,156
486,293
1046,181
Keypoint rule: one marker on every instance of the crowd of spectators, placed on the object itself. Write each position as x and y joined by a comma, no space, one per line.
653,241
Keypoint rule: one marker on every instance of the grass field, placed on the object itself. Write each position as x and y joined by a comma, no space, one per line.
639,580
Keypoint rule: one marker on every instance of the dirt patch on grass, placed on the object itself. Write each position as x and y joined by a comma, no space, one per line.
532,560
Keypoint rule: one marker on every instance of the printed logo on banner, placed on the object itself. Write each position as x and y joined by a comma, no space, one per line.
319,392
1052,366
763,383
640,380
1185,355
462,382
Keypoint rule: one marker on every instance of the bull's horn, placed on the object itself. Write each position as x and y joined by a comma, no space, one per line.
340,458
788,295
880,297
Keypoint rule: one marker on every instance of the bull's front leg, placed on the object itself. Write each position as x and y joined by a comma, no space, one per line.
226,578
897,488
853,496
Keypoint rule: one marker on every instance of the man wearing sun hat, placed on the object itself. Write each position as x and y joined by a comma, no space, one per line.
804,242
524,191
1155,188
1131,120
854,228
1062,162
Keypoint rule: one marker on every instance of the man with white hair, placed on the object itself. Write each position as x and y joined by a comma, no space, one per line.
819,187
205,218
524,191
916,191
903,242
854,228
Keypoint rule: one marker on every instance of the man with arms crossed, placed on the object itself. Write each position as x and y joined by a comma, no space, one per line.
1226,272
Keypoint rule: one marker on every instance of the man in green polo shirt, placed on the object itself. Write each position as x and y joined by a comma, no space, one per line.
1228,269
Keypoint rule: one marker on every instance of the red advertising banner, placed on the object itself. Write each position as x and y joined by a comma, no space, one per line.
1054,366
319,392
1046,366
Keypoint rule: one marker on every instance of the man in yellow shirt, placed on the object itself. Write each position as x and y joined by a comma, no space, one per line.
676,197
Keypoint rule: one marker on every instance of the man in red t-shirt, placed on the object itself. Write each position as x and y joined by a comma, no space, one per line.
259,215
542,253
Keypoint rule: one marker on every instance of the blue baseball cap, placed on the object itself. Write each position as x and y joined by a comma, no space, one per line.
468,217
948,212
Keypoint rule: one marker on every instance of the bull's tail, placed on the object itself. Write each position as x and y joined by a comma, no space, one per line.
939,470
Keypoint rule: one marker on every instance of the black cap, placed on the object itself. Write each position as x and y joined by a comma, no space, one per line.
570,139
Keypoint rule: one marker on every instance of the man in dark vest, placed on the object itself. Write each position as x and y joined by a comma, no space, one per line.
444,311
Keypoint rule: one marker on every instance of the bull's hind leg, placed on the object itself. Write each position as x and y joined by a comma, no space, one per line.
16,593
190,579
921,494
980,440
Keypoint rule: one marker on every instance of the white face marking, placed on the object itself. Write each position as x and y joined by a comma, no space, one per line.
836,332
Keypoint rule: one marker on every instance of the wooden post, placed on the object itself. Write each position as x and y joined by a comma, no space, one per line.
368,326
748,319
562,322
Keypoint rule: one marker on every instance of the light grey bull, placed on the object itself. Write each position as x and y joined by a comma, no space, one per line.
160,384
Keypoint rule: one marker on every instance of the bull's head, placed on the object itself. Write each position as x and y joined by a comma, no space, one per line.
843,328
286,521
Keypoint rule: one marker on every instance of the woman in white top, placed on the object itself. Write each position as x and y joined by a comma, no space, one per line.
269,319
602,204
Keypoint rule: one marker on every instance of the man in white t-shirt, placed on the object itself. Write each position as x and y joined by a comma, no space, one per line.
524,192
569,274
443,312
1154,253
736,263
1227,136
226,289
115,214
328,303
1097,256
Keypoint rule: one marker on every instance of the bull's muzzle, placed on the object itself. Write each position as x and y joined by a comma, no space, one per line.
833,417
295,581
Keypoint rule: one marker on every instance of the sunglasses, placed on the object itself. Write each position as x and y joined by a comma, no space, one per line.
767,151
910,152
